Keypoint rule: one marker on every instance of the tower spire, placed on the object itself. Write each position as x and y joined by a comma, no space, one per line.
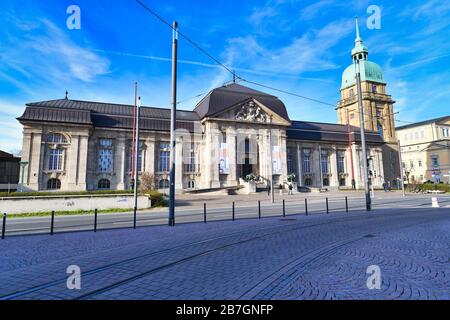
357,30
360,51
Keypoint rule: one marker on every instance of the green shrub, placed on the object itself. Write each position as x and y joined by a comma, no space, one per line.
157,199
63,193
435,186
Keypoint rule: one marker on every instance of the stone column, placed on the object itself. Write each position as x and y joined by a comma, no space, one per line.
35,165
82,166
72,163
119,162
211,156
231,143
315,164
179,165
300,166
334,181
283,155
358,165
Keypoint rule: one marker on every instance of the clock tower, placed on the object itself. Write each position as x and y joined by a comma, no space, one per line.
378,106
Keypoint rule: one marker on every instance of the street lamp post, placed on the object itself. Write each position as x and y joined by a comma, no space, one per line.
173,119
401,167
363,137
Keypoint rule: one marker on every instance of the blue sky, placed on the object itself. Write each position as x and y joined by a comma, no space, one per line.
299,46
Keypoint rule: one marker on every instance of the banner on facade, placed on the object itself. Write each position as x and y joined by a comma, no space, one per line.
224,163
276,160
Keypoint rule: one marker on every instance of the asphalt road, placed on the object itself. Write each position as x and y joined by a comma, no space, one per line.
219,211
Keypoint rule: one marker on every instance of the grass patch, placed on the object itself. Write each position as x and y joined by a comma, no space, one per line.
68,213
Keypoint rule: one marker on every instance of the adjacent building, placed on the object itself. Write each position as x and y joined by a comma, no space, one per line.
9,171
233,133
425,148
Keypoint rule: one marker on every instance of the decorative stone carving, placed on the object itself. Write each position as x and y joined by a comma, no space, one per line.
251,112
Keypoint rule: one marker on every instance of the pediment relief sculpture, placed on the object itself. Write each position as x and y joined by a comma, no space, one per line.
251,112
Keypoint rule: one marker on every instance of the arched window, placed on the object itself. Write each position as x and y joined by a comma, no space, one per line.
191,184
53,184
308,182
380,130
104,184
163,184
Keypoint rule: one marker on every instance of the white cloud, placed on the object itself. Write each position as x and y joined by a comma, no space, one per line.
310,52
45,53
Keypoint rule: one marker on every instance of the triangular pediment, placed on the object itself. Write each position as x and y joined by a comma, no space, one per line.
252,111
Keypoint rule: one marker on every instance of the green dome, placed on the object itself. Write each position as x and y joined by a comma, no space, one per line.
370,71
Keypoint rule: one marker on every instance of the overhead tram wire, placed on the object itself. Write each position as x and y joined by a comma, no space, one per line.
232,72
184,36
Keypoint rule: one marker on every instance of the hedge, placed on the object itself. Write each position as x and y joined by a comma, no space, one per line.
435,186
68,193
157,199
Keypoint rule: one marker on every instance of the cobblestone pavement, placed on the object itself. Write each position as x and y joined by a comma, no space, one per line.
299,257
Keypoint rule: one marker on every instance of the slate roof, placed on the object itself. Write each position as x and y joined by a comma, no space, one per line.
105,115
317,131
222,98
110,115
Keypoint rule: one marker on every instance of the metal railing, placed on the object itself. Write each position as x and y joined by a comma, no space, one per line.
95,221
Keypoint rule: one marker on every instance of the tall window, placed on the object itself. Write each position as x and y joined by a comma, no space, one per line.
374,88
164,157
163,184
105,156
290,165
341,161
324,160
55,159
53,184
306,160
130,155
435,161
189,160
380,130
104,184
56,138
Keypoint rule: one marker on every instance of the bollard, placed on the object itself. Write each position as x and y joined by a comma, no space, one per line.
346,204
328,210
284,209
134,217
233,210
434,202
259,209
95,220
306,206
204,212
4,226
52,222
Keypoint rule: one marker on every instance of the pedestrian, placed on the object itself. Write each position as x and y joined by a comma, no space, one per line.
268,189
385,186
281,189
290,189
389,186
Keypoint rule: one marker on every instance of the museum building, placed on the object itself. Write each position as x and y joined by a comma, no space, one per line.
234,132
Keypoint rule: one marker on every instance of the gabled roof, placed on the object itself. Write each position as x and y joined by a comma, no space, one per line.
222,98
318,131
421,123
